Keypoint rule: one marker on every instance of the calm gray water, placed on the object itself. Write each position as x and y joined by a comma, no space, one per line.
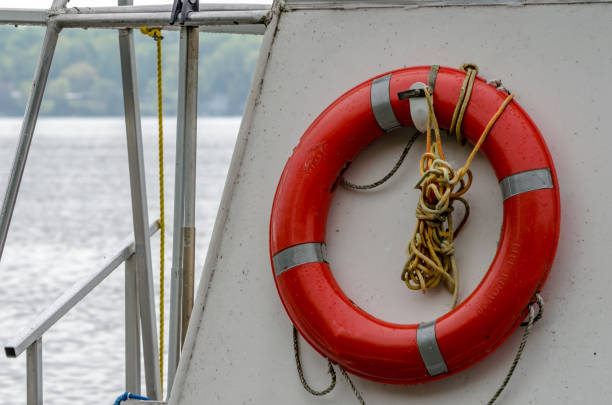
74,209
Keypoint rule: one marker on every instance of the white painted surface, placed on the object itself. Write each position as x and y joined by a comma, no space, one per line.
557,60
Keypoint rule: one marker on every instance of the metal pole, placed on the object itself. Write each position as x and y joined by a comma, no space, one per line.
159,19
34,373
189,177
27,129
23,16
139,211
176,282
165,8
233,18
132,328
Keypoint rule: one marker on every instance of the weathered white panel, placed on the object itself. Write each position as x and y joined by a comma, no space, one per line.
557,59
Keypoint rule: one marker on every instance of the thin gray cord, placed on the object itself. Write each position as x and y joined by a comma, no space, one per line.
348,184
517,357
533,318
353,388
298,363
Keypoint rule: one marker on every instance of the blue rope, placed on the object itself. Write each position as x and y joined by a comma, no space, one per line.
128,395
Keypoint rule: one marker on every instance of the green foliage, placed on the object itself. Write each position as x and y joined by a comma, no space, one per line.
85,77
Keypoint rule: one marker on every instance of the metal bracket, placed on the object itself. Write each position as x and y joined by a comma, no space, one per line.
497,83
183,7
403,95
419,111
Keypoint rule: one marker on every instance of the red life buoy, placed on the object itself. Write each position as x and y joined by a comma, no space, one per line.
326,317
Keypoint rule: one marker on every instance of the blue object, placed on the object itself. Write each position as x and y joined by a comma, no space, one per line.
128,395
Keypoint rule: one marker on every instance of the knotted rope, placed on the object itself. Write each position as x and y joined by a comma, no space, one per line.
431,252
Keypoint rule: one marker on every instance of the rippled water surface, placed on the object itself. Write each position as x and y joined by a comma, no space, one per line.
72,211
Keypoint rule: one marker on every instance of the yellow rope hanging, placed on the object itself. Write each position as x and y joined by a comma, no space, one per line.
155,33
431,253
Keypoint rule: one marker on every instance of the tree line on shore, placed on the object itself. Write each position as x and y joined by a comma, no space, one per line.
85,77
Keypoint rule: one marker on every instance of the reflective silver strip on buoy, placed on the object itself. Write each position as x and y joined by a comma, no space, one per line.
299,254
381,103
523,182
428,347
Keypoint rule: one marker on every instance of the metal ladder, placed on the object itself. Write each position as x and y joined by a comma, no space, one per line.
140,314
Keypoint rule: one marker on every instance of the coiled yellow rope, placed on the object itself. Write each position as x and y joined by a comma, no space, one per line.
155,33
431,253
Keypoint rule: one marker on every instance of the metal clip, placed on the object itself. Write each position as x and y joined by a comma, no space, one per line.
497,83
403,95
183,7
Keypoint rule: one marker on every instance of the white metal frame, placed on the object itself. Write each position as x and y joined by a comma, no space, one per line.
139,294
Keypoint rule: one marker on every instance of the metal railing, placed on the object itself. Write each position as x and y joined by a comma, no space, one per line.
231,18
30,339
139,294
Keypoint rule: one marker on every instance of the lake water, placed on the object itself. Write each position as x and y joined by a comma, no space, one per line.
72,211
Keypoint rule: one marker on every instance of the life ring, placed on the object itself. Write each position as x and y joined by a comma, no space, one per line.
416,353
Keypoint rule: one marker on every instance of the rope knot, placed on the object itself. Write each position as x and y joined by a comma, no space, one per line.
431,251
154,33
447,247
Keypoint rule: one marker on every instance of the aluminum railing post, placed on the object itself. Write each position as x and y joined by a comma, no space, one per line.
27,129
183,253
34,373
189,178
139,211
132,328
176,281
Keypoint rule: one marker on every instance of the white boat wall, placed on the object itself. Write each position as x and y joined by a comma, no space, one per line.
556,57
